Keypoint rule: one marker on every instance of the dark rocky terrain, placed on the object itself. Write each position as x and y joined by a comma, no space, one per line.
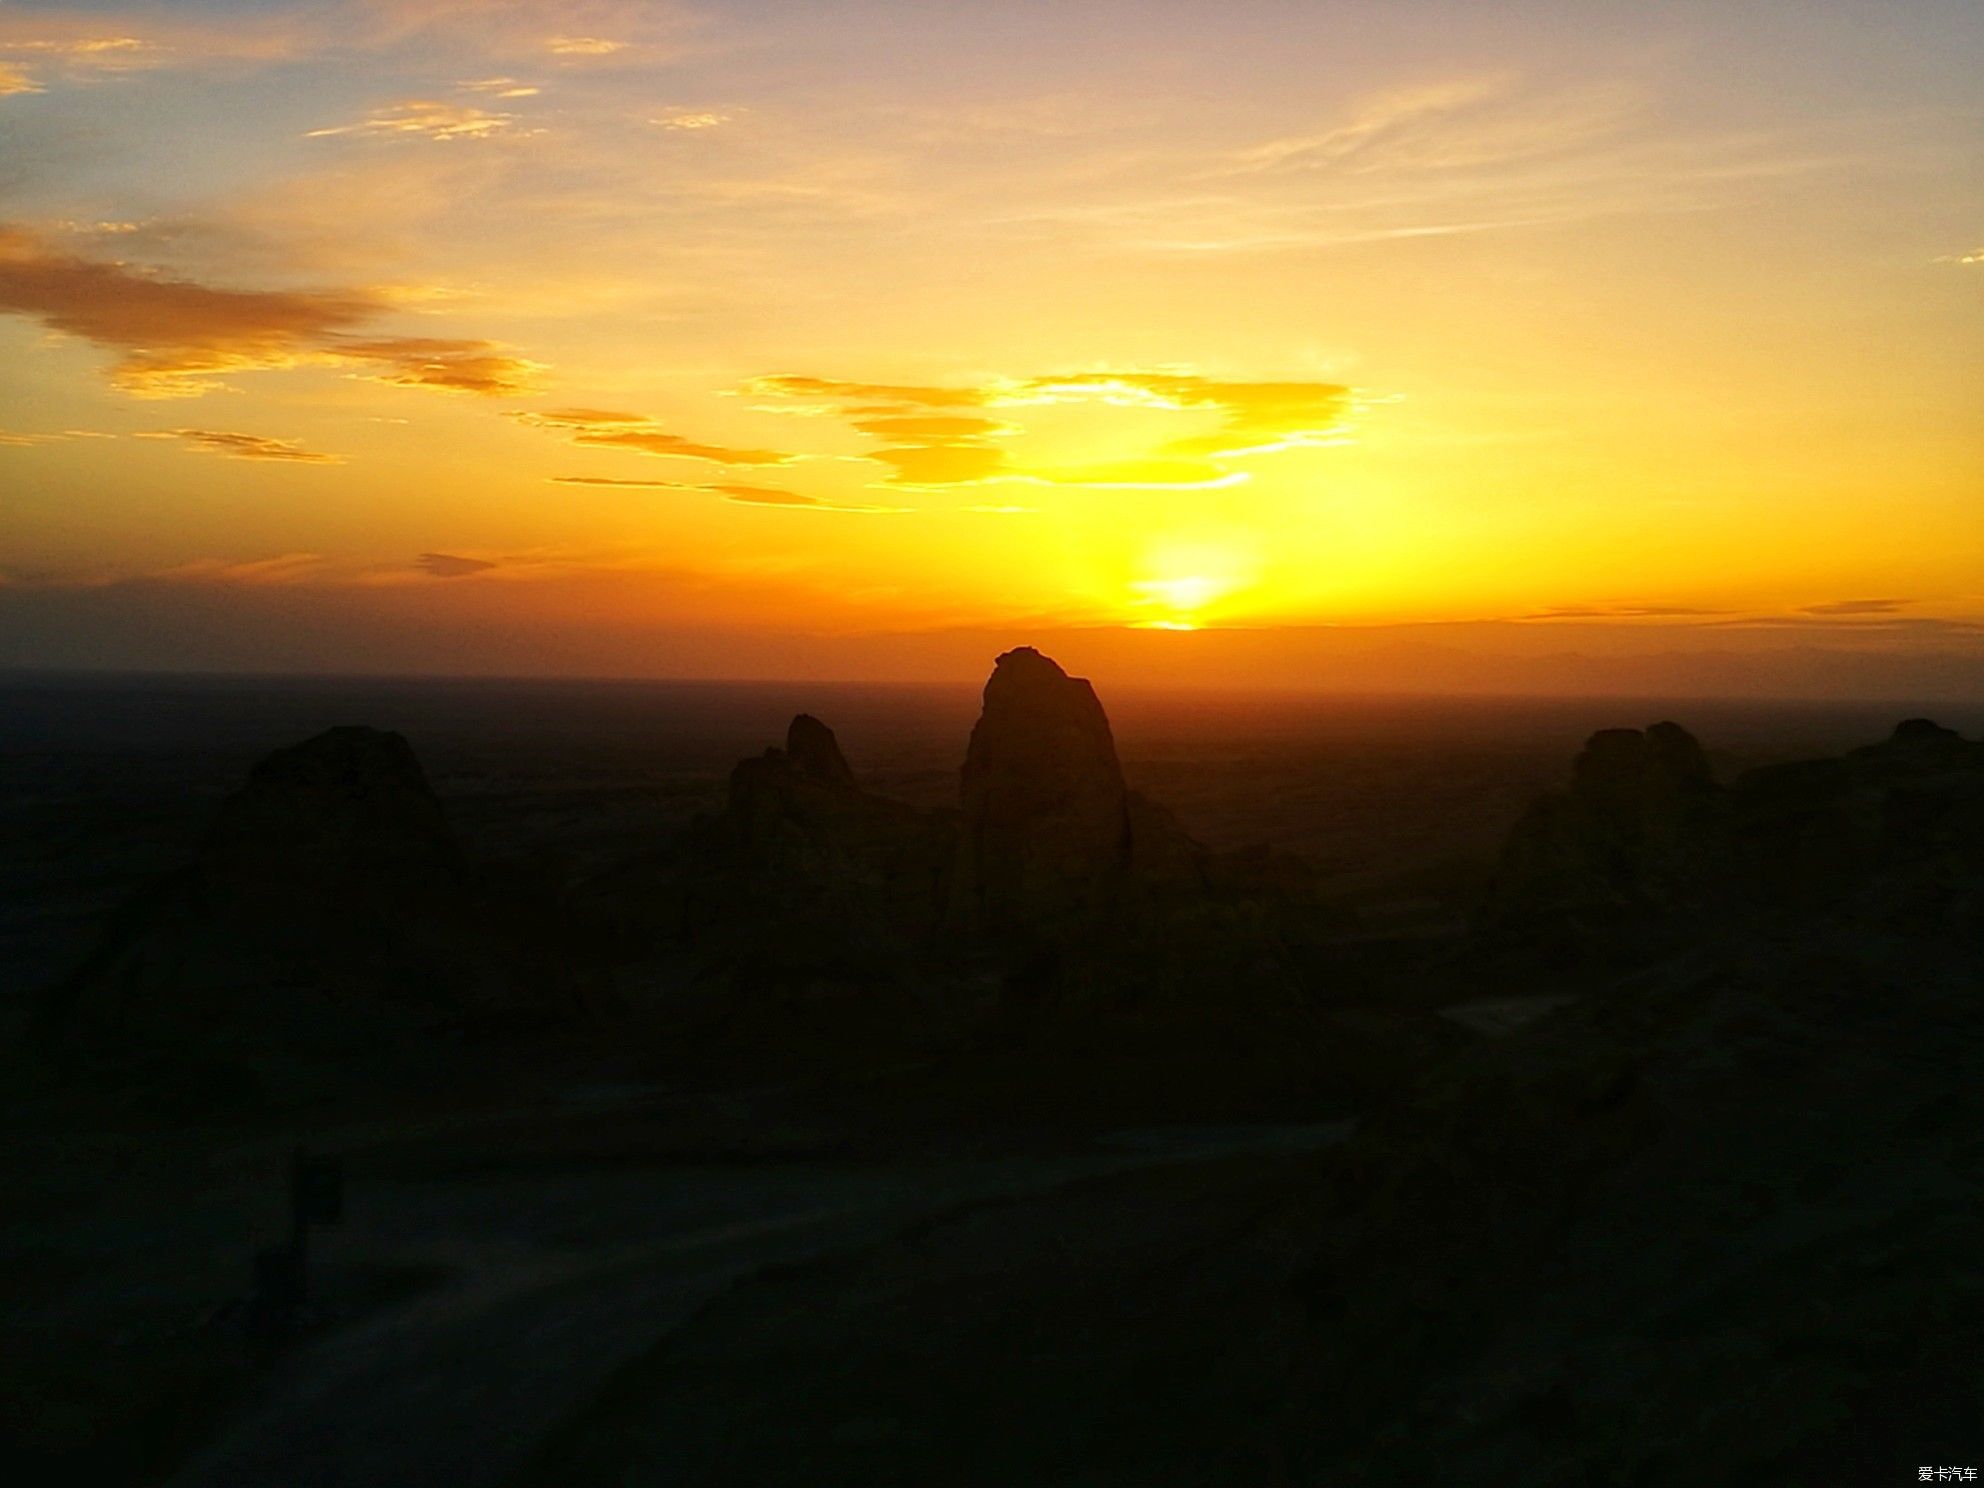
849,1135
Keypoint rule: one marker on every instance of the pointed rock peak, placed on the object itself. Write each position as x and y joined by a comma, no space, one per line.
1678,752
1924,732
1922,744
1025,661
815,753
1046,824
1023,682
351,801
350,760
1633,759
1041,731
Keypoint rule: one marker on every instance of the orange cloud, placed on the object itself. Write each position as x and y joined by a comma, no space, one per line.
451,565
783,386
593,426
928,444
1858,607
177,337
610,480
934,427
1257,417
690,119
743,494
945,464
243,446
453,365
286,568
501,87
78,56
429,120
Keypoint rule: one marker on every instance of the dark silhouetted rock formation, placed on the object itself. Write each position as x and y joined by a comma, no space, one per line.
1073,893
1051,835
329,912
1635,834
348,814
1731,1167
806,869
1886,832
1046,832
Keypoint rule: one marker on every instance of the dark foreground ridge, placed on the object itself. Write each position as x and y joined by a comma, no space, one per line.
1665,1168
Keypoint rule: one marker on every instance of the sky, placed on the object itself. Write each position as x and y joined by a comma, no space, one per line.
1419,345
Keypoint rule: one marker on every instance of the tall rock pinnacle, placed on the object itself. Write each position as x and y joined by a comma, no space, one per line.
1046,816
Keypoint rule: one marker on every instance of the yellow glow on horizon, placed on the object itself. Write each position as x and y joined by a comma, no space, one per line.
1183,584
765,327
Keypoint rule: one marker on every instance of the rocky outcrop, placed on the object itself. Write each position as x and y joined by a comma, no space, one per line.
329,912
1635,834
808,870
1051,835
348,814
1890,834
1054,884
1886,834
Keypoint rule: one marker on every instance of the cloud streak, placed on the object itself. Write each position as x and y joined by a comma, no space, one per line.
937,436
452,565
1857,607
743,495
426,118
605,428
178,337
244,446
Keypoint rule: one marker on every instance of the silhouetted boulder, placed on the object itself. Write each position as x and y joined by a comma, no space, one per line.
1046,815
814,752
349,812
1886,835
1890,832
1639,828
329,912
1051,835
806,869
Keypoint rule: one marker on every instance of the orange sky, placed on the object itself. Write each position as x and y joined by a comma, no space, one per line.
756,339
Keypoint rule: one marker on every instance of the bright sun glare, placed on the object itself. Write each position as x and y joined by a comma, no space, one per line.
1183,582
1182,599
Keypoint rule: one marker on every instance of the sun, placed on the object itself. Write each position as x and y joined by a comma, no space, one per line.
1183,582
1182,599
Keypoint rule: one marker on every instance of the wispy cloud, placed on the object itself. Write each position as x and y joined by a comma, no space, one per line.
285,568
458,366
500,87
1437,158
929,441
1857,607
243,446
1622,612
1454,124
583,46
44,58
690,119
452,565
612,430
178,337
745,495
18,439
426,119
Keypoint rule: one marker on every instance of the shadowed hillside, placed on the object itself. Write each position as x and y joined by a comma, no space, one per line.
1021,1137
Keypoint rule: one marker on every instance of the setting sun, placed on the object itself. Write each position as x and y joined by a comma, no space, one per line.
996,743
707,340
